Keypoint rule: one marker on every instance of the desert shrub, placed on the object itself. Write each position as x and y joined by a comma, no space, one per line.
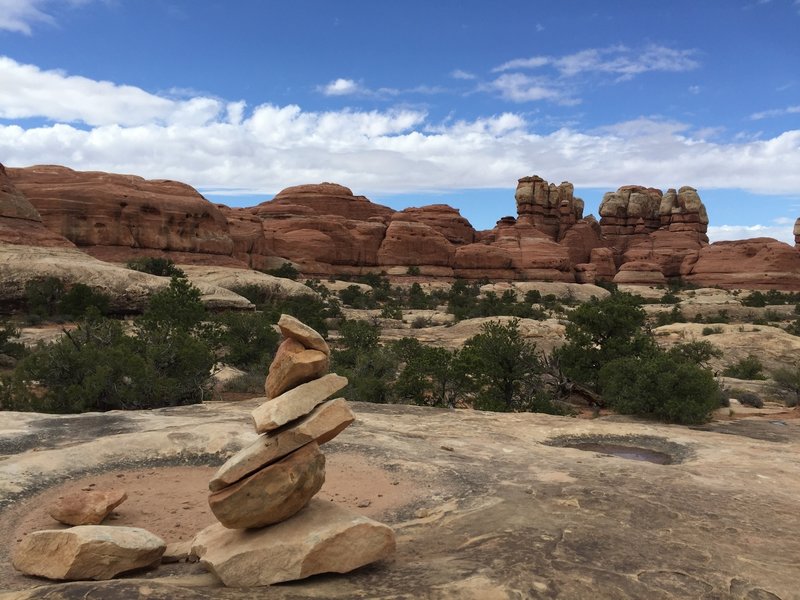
392,311
42,296
287,271
659,386
429,376
794,327
8,344
502,369
722,316
669,298
600,331
711,330
747,398
248,339
746,368
699,353
754,299
314,312
413,270
417,298
420,322
369,367
354,297
163,267
249,382
668,318
80,298
99,367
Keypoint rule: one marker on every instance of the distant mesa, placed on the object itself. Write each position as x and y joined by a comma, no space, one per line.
643,235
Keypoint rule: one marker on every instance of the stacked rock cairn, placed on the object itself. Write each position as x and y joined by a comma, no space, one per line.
271,528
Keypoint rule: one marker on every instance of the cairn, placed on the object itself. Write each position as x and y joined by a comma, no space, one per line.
271,528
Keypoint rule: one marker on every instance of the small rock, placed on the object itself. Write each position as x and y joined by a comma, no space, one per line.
297,330
177,552
448,448
296,403
322,538
364,503
87,507
87,552
272,494
323,424
293,365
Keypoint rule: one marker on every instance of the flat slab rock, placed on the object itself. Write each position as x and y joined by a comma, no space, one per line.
322,538
87,552
273,493
296,403
87,507
294,364
323,424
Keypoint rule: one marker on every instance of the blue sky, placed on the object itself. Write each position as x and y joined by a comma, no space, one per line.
412,103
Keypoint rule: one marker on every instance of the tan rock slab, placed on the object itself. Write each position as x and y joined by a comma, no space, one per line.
86,507
323,424
87,552
178,552
297,330
272,494
296,403
294,364
322,538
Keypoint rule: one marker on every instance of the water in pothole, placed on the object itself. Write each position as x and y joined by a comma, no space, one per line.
628,452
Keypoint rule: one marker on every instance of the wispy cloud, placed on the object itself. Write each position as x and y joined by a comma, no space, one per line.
776,112
350,87
21,16
461,74
519,87
621,61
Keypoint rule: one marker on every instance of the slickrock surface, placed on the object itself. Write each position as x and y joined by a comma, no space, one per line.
87,552
273,493
500,512
296,403
322,538
129,290
87,507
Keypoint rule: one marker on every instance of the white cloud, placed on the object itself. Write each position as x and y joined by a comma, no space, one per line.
213,143
617,60
28,92
461,74
534,62
20,16
776,112
341,87
783,233
519,87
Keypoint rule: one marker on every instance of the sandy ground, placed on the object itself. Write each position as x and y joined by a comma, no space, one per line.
172,502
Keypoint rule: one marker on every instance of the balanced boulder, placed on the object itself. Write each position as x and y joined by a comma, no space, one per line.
292,328
273,493
296,403
293,365
324,423
321,538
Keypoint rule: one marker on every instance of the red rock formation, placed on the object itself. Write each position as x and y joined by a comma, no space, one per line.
759,263
323,199
110,214
665,248
413,243
640,273
20,223
551,209
796,232
444,219
629,215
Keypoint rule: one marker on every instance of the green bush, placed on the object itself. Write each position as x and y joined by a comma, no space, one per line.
600,331
248,339
8,344
80,299
413,270
163,267
660,386
287,271
50,298
788,380
99,366
746,368
711,330
43,296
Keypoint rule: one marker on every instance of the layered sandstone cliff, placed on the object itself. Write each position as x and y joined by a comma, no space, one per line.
643,236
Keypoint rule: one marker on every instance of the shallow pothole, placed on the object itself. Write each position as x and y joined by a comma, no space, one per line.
630,447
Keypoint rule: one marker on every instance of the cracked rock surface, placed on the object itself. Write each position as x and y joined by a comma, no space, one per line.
501,511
